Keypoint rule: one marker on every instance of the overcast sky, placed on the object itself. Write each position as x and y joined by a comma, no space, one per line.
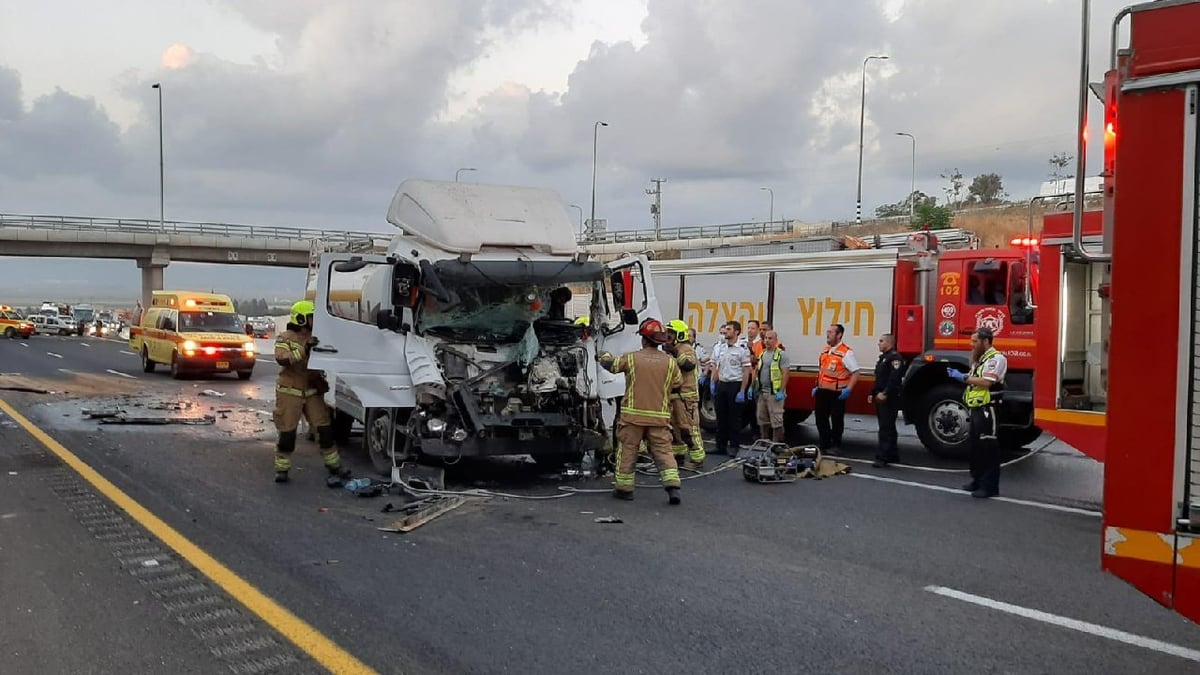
310,113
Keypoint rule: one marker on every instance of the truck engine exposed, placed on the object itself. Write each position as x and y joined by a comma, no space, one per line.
523,386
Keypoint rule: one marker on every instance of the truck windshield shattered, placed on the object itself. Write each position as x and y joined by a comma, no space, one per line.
490,314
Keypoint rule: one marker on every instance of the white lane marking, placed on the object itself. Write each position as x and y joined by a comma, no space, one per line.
121,374
1009,500
25,345
57,356
129,353
85,344
1073,624
64,370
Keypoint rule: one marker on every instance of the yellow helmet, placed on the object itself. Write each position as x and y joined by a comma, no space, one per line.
302,314
678,329
583,321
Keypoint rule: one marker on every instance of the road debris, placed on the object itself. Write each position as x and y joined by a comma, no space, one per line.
608,519
125,418
420,512
213,392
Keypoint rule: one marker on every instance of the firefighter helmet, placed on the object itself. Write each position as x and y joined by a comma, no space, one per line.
678,329
302,314
652,330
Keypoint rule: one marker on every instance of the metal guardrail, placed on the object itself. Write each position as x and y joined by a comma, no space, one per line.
696,232
140,226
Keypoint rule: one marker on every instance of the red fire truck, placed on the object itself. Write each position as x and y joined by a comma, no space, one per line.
931,299
1125,355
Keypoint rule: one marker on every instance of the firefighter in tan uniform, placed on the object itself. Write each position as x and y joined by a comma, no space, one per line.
687,445
650,377
298,391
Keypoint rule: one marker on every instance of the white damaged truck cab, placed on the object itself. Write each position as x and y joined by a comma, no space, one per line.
465,338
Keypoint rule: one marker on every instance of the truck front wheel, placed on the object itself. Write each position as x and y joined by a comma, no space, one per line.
944,422
375,438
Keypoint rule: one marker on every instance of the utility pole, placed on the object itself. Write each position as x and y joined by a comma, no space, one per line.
656,207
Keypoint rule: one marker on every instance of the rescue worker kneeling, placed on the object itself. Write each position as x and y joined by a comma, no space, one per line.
685,418
650,377
298,391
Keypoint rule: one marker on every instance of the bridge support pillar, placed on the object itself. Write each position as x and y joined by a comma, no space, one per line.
152,280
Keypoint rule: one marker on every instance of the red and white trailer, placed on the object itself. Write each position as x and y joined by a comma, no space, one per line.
931,299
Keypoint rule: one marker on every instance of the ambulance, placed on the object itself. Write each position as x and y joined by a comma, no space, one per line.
192,332
13,325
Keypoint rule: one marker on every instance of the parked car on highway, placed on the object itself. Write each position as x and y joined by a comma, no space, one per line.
52,325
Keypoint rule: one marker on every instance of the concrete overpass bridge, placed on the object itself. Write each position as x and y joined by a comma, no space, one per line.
153,245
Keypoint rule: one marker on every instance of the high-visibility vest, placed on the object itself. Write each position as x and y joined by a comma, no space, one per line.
776,371
834,374
974,396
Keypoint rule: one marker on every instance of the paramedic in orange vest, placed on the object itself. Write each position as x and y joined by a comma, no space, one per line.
836,378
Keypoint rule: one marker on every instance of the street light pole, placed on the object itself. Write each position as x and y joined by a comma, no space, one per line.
161,187
460,171
595,135
912,190
862,115
580,209
771,219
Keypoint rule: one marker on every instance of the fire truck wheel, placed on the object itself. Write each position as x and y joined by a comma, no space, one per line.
1015,439
10,333
375,438
792,419
943,423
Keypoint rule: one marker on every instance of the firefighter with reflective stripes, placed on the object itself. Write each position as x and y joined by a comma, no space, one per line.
650,377
298,391
985,386
687,445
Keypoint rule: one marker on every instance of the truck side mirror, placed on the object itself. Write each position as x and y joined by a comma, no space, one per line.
386,319
630,317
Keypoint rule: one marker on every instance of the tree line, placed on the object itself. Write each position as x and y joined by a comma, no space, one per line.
985,189
256,307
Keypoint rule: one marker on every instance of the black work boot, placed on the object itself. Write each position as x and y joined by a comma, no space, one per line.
281,476
673,496
622,494
970,487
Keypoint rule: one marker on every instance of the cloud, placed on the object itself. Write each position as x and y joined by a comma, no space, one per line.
720,98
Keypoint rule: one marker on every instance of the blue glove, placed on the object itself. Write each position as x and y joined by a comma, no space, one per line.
750,392
741,397
703,381
779,396
814,392
712,387
845,394
956,374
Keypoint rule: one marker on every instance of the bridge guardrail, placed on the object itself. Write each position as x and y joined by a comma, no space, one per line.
139,226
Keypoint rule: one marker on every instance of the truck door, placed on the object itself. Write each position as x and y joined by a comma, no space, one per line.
363,308
628,300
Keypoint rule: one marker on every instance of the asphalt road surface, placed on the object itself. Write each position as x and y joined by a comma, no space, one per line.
879,571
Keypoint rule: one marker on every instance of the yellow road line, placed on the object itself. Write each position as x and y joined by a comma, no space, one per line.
305,637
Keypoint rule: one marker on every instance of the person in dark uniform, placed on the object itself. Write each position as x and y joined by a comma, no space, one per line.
985,386
889,371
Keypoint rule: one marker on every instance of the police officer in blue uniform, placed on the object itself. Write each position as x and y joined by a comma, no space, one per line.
889,372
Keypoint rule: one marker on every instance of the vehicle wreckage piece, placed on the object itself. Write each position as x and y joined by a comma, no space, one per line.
124,418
